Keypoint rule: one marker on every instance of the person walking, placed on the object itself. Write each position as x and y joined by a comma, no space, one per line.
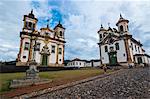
105,68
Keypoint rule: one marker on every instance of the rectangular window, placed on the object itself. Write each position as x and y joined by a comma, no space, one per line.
76,63
53,49
139,49
132,46
106,49
30,25
60,51
26,47
38,47
26,24
33,26
135,48
60,33
117,46
100,35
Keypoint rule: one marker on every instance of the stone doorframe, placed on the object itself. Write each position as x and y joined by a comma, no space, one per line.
114,54
45,51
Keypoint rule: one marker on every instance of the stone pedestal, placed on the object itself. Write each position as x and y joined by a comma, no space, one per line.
32,72
32,78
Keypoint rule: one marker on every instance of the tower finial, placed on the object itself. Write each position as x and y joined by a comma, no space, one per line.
108,24
31,11
48,23
121,16
101,26
59,21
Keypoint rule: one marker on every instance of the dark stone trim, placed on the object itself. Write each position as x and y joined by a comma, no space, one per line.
38,35
123,20
29,17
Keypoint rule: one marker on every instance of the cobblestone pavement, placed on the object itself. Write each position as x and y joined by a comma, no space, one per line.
128,84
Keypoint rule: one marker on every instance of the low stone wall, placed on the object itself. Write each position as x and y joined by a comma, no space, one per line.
27,82
13,68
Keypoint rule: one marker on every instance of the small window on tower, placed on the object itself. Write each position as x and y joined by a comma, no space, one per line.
135,48
26,24
33,26
139,49
121,28
60,33
60,51
30,25
100,35
53,49
26,47
132,46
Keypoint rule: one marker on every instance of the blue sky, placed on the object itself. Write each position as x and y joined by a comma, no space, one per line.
81,18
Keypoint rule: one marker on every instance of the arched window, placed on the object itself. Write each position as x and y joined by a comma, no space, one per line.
30,25
117,46
60,33
127,27
106,49
60,51
100,36
121,28
103,35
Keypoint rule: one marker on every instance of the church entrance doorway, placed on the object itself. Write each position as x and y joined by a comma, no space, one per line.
44,59
112,58
45,55
139,59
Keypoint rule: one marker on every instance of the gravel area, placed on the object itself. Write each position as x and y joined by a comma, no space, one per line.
128,84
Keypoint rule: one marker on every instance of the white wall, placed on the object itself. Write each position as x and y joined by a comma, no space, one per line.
105,57
95,64
60,56
120,53
88,64
52,56
25,52
76,64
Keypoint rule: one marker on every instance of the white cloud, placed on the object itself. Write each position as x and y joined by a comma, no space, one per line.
11,16
81,28
82,22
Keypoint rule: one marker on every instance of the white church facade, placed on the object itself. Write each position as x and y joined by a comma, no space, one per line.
45,47
118,47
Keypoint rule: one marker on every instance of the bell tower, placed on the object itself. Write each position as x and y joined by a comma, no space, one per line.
59,30
122,25
29,22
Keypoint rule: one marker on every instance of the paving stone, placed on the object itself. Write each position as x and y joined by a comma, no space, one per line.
128,84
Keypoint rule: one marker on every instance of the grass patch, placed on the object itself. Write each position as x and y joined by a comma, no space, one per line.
5,79
55,76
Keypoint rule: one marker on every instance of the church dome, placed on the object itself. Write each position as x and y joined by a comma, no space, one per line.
102,29
59,25
31,15
121,19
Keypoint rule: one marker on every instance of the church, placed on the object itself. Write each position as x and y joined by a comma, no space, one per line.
45,47
118,47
